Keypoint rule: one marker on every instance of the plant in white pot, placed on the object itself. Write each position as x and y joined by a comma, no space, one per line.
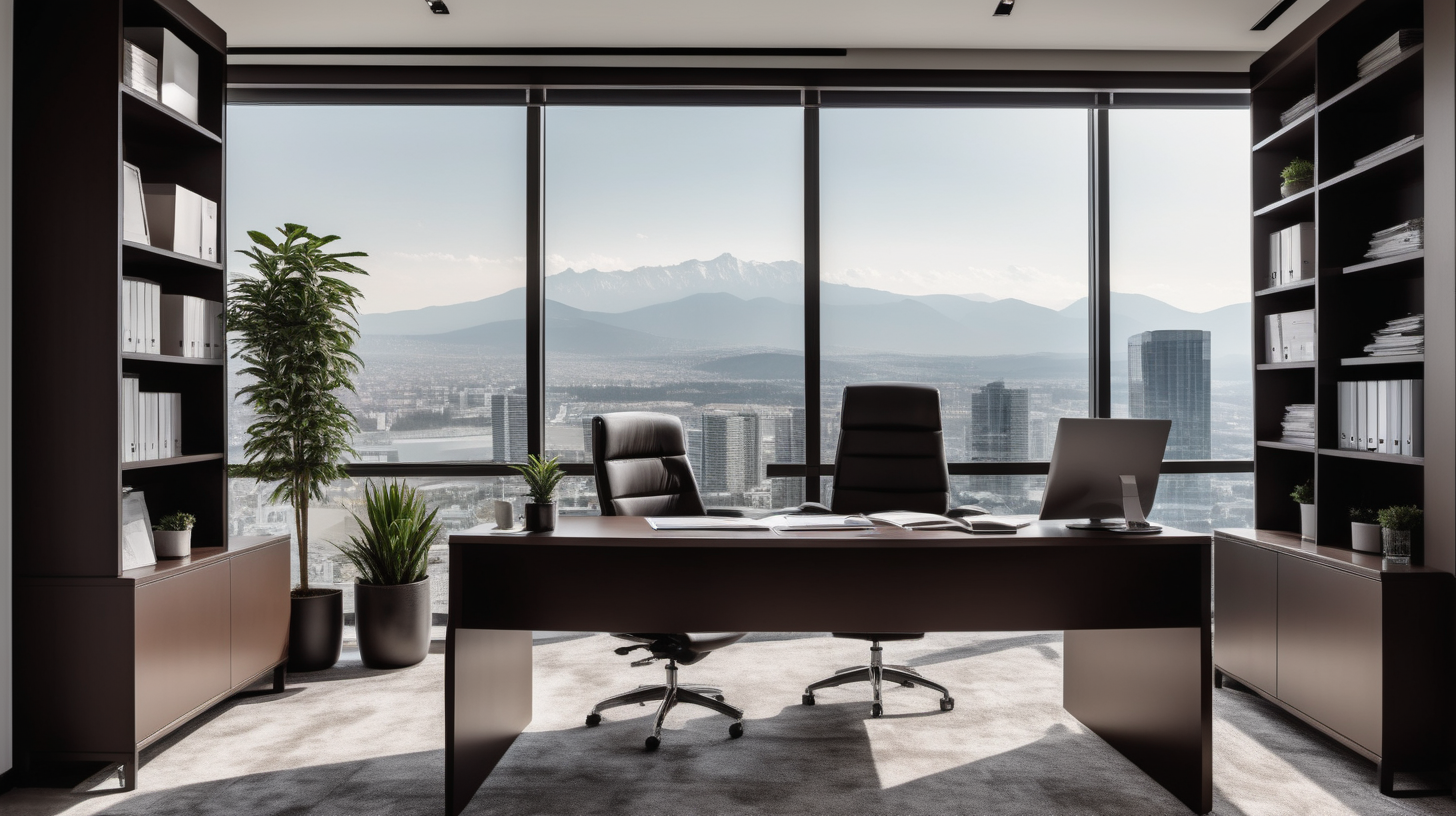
542,477
1308,516
392,593
1398,528
294,322
1364,529
172,535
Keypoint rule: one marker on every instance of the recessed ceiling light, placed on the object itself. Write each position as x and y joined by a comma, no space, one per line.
438,6
1003,8
1272,15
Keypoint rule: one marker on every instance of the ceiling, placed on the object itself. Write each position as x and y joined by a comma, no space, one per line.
1167,25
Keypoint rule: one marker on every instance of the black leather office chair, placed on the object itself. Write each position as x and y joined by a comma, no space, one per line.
891,456
642,469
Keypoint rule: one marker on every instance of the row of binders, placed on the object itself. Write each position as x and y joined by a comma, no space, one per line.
151,422
1291,254
1405,237
1289,337
1388,51
173,325
1383,416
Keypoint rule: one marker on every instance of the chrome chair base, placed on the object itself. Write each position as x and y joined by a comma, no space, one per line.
670,695
876,673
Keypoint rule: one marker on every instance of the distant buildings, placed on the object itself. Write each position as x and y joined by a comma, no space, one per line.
788,448
1168,378
999,429
730,454
508,426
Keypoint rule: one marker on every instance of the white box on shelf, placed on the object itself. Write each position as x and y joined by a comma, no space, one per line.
134,209
178,67
174,216
1298,331
1297,247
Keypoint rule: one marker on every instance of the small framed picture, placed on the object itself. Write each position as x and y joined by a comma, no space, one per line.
137,549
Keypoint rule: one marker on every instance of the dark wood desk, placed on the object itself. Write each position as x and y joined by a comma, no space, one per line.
1138,662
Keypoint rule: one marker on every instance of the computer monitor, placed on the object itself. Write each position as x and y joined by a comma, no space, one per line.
1089,462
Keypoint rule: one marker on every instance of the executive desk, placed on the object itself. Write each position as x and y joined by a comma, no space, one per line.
1137,663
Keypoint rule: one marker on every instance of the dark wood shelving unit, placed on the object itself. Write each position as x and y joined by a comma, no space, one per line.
118,659
1284,604
1307,283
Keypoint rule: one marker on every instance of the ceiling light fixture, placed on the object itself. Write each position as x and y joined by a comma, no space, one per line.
1272,15
438,6
1003,8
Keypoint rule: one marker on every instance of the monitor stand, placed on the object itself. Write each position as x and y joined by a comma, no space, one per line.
1132,510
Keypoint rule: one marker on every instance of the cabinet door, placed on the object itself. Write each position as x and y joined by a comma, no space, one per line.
1246,612
259,610
182,645
1329,648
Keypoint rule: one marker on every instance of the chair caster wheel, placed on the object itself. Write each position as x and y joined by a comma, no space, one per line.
908,685
807,699
718,697
735,730
593,719
947,704
876,710
652,743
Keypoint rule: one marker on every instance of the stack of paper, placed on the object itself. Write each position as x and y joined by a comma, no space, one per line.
1409,236
1388,51
1298,425
1406,335
1385,151
1300,108
139,71
782,522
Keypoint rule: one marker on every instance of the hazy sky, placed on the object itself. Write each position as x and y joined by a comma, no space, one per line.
913,201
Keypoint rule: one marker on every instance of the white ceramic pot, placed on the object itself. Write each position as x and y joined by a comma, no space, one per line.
1365,537
172,544
1308,518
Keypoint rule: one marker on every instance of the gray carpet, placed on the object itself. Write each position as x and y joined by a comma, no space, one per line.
354,741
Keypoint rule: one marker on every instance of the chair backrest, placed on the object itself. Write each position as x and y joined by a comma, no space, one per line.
641,464
891,452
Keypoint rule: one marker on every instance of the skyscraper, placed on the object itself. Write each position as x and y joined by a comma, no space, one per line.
999,424
730,453
788,449
1168,378
508,425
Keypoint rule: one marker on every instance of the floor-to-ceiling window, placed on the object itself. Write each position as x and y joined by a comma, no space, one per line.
674,248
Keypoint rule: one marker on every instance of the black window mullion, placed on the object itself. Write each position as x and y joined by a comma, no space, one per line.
1099,285
535,276
812,397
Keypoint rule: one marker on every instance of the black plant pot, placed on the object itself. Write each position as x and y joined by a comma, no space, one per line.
316,631
393,623
540,518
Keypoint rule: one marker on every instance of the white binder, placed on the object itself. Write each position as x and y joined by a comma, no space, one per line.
208,237
128,419
1275,278
149,425
1273,339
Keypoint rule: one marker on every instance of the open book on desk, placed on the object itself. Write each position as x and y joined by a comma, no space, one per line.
776,523
969,524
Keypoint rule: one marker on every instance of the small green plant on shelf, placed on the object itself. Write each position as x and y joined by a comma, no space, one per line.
393,547
1304,493
542,477
1401,518
1298,176
1363,515
175,523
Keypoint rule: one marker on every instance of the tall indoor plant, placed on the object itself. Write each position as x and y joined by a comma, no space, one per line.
294,319
392,593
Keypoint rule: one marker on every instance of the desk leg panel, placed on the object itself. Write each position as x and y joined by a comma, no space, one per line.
1149,694
487,705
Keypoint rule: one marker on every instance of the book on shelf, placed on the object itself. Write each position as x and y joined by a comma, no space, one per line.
1289,337
1297,427
151,422
177,73
1297,110
139,70
1393,147
1382,416
1388,51
1405,237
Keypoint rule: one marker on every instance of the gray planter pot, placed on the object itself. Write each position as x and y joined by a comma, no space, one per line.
172,543
392,624
1365,537
1396,545
540,518
315,631
1287,190
1308,521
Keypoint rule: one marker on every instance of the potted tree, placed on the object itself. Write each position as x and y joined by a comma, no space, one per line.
1298,176
172,535
1308,518
1364,529
1398,526
294,321
541,477
392,593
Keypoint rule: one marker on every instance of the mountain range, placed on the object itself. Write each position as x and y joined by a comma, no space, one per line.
729,303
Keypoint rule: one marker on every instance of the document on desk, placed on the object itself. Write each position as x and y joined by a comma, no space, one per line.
968,524
774,523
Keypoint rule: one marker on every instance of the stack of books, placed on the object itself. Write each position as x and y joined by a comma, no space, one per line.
139,71
1388,51
1385,151
1408,236
1406,335
1298,425
1300,108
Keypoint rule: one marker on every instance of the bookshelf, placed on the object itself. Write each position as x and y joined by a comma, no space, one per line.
1314,627
111,660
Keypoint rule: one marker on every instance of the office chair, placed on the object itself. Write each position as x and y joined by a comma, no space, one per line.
641,465
891,456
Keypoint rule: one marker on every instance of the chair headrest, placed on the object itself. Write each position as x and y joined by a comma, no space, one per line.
637,435
908,406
